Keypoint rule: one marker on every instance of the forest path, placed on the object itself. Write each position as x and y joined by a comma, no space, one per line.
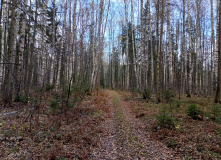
125,136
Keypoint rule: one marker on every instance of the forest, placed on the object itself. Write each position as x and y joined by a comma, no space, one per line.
110,79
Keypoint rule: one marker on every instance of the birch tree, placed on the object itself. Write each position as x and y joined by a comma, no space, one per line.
170,47
7,97
190,51
21,49
94,77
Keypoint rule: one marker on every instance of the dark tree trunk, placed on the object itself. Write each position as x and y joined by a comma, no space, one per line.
217,97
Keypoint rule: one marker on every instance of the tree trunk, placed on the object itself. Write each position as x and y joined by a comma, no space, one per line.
27,87
157,54
170,47
136,84
58,80
52,71
7,96
160,82
1,43
94,77
141,45
217,97
21,49
43,67
190,51
146,54
74,38
127,45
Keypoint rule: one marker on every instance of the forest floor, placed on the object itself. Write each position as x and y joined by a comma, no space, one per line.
108,125
126,136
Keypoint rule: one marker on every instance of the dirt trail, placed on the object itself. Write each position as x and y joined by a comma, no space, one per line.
126,137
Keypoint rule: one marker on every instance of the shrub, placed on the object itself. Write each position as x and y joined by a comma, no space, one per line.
215,112
49,87
172,107
168,95
188,95
54,105
165,120
21,98
146,94
171,143
193,112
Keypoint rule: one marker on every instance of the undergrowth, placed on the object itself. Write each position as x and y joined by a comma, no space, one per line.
53,132
190,126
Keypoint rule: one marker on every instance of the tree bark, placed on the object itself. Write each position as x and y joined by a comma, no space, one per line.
127,45
7,96
217,97
170,47
63,40
94,77
21,49
190,51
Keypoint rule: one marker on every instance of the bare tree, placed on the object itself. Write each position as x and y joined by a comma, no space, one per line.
217,97
21,49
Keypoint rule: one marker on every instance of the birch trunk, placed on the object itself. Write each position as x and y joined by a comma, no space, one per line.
184,51
94,77
52,61
152,62
190,51
69,35
141,45
62,48
74,38
170,47
15,56
216,41
7,97
157,53
127,45
21,49
93,52
30,77
133,47
160,80
213,53
146,54
43,52
1,43
197,47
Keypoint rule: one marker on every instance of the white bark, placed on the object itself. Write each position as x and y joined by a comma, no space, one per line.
21,48
94,77
4,12
42,68
62,47
215,50
190,50
53,45
127,45
141,43
146,54
133,46
170,47
74,37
